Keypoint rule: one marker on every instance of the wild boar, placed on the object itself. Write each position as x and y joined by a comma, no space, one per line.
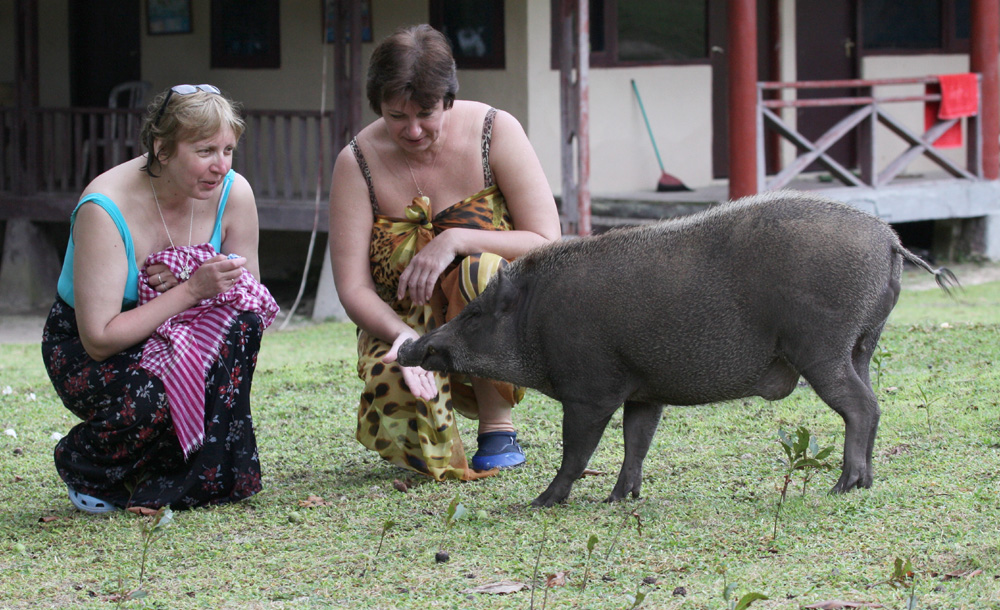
736,301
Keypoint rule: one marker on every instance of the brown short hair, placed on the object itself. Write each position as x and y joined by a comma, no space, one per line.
413,64
190,117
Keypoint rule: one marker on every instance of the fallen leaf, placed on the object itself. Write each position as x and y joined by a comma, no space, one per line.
18,478
313,501
399,485
499,588
47,519
837,605
556,580
142,510
587,472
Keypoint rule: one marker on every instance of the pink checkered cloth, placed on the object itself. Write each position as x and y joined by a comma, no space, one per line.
183,348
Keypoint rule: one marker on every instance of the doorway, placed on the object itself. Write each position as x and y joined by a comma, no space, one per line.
104,48
826,49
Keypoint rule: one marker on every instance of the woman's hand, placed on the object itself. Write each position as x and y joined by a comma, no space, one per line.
215,276
421,275
420,381
160,278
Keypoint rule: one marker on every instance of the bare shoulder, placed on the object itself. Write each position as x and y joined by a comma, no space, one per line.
123,184
506,125
241,191
241,205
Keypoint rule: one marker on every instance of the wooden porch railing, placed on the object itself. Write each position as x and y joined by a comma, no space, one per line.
871,111
59,150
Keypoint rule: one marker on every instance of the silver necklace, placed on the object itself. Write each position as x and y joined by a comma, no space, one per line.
188,267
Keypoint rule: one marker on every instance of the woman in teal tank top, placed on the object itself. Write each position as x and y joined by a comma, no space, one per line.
179,198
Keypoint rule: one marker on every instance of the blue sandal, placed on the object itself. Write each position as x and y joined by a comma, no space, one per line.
497,450
90,504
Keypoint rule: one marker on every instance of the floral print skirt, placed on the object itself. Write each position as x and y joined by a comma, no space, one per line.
125,451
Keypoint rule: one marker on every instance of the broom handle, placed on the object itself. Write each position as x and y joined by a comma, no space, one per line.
646,119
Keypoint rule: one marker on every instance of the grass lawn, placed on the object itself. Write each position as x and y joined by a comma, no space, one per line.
330,529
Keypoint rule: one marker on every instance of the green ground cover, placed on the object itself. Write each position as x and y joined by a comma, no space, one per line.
712,484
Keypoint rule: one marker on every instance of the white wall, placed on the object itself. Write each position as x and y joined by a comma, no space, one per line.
678,101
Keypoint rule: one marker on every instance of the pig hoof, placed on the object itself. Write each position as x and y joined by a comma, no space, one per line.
616,497
547,499
850,480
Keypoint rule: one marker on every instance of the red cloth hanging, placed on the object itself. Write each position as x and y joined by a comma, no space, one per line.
959,98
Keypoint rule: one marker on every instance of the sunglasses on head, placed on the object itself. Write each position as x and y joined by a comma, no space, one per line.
183,90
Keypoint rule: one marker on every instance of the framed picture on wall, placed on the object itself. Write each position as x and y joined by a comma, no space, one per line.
329,6
246,34
475,30
168,17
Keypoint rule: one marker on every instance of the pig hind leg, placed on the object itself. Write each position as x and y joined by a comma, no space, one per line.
583,426
639,425
861,360
843,389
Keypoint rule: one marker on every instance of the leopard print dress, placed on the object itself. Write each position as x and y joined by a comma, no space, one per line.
422,435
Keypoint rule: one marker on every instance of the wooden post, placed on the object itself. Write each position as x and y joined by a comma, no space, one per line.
985,47
24,139
346,122
574,101
742,98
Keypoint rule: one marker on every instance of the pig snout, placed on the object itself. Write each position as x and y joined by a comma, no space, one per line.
409,354
422,353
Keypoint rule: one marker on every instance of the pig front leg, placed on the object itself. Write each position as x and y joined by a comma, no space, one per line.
583,426
639,425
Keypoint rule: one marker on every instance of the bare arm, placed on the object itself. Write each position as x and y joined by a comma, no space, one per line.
99,277
240,225
351,220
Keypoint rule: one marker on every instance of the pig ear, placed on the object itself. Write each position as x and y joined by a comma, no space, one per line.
507,295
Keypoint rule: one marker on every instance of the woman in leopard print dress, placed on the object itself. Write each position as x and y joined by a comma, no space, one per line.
427,203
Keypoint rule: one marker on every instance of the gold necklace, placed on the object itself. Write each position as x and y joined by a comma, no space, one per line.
433,164
414,178
188,267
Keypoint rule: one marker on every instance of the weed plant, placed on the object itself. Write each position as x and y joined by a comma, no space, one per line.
708,498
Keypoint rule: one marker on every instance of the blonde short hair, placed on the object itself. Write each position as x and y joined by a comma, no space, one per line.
189,118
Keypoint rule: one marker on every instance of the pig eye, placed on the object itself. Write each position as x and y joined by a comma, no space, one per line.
430,350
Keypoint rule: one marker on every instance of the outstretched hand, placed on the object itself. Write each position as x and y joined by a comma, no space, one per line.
421,382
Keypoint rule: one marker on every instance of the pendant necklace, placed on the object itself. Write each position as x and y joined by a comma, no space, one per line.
185,273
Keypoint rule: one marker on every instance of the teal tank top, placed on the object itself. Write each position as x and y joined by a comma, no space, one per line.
131,297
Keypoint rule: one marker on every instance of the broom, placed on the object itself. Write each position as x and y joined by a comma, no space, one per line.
667,182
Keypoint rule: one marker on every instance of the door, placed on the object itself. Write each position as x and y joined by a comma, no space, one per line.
827,50
104,48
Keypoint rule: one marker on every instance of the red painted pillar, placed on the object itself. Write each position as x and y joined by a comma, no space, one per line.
742,64
983,58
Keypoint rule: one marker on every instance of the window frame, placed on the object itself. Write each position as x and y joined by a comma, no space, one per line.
950,43
607,57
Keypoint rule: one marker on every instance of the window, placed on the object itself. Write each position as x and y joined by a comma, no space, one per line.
642,32
890,26
474,28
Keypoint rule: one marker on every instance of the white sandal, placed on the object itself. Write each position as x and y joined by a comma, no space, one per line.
89,504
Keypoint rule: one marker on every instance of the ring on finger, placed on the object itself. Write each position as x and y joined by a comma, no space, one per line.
159,278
